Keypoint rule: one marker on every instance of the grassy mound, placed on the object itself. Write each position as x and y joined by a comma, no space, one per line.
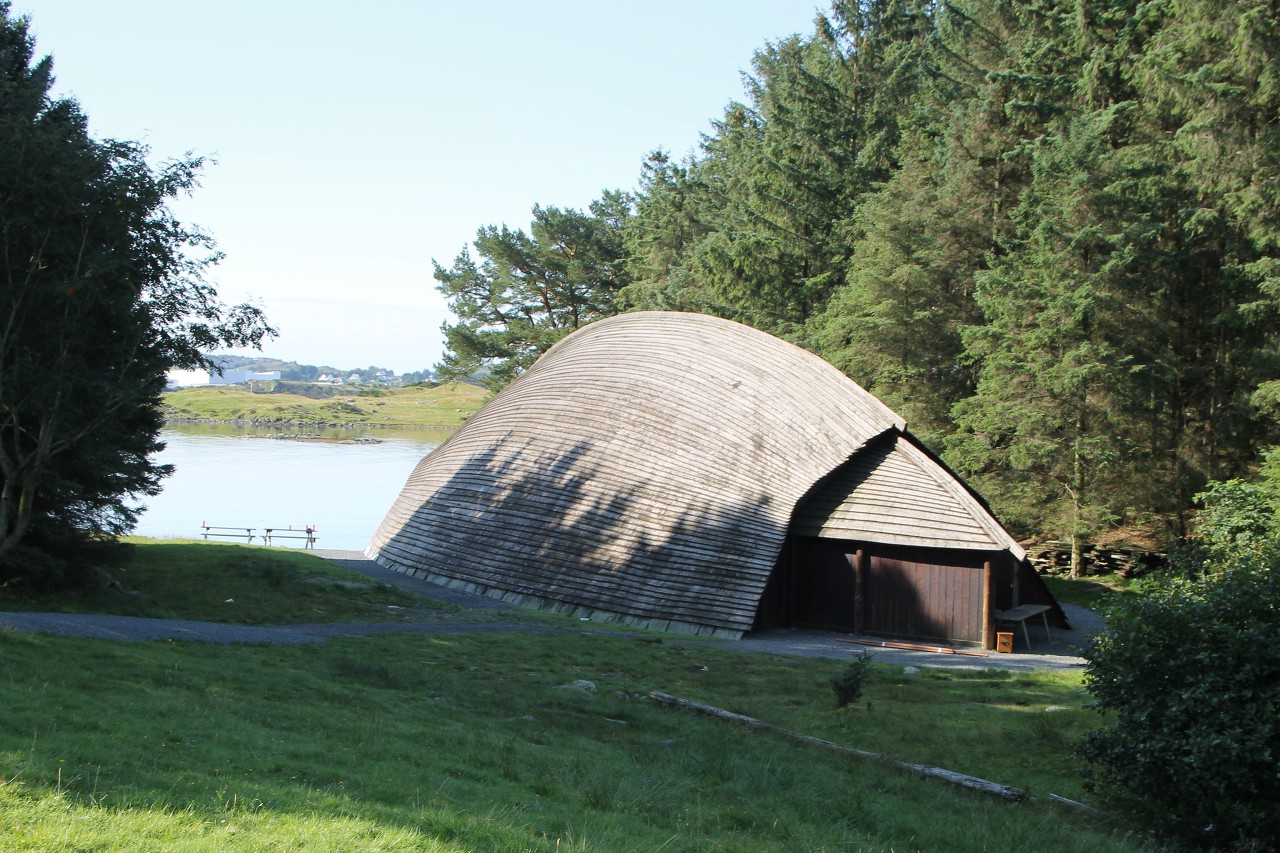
233,584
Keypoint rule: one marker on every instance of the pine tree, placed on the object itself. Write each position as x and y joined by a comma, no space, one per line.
1133,276
1211,83
530,290
674,209
1048,426
990,79
756,227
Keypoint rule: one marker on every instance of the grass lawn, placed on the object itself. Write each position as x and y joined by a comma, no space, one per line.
235,584
473,742
445,406
1095,592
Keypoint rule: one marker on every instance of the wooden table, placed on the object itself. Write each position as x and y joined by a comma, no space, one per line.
1022,613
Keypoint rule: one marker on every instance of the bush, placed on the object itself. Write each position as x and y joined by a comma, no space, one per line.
848,685
1238,519
1190,673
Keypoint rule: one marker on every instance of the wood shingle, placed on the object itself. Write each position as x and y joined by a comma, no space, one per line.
646,466
653,468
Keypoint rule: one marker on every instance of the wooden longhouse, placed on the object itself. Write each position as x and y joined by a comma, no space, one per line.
688,473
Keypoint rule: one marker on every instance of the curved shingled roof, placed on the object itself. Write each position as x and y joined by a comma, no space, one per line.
896,493
645,468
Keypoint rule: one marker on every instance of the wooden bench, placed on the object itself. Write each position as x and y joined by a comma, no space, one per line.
1022,613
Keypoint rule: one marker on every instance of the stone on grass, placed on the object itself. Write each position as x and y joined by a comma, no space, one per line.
336,583
581,685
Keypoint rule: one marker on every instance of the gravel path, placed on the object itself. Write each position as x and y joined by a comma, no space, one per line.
136,628
1062,653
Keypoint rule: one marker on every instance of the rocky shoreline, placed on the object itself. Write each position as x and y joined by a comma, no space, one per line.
311,436
280,423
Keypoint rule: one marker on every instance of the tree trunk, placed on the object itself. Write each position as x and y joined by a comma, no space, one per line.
17,500
1077,475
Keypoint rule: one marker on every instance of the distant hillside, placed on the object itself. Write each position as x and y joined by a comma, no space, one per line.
292,371
412,406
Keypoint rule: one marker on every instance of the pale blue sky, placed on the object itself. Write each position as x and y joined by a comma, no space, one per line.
355,144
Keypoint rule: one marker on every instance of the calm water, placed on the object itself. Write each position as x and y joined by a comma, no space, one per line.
227,477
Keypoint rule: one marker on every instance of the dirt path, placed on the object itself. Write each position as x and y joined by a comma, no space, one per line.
1062,653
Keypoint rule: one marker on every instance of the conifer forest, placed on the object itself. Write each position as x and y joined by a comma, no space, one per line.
1046,233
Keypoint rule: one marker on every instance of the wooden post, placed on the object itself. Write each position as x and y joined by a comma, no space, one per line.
859,570
988,636
789,549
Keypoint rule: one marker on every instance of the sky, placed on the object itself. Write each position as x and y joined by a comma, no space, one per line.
349,147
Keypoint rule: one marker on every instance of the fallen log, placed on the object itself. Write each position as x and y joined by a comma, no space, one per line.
973,783
915,647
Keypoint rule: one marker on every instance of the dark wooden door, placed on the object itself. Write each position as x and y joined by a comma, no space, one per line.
822,585
912,598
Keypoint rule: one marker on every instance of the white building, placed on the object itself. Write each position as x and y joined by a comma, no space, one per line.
186,378
200,378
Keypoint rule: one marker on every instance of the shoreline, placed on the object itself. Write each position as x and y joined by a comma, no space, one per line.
276,422
444,407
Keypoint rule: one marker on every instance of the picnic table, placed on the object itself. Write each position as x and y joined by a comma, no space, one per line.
1023,612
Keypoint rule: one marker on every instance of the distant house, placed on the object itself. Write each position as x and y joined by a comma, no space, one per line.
687,473
186,378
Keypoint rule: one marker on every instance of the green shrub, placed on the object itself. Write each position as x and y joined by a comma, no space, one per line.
1190,673
848,685
1237,519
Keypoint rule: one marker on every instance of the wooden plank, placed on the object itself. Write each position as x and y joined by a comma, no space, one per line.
649,461
893,493
859,595
972,783
988,635
651,464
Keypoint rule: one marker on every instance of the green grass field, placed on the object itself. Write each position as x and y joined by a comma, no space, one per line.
471,742
445,406
235,584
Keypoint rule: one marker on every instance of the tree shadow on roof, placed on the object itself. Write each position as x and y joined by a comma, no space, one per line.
554,528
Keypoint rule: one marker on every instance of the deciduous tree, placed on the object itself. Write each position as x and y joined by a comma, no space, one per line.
1188,674
101,291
